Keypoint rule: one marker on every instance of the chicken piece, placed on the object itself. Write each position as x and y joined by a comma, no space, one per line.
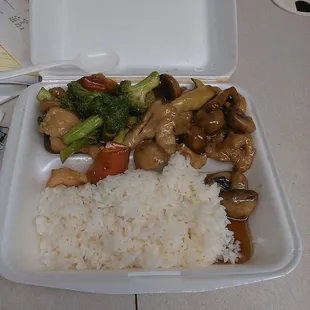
197,161
91,150
56,144
149,155
237,149
183,123
67,177
159,123
57,122
45,105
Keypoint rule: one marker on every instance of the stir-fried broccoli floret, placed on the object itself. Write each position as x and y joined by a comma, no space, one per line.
92,139
139,96
80,100
114,112
113,109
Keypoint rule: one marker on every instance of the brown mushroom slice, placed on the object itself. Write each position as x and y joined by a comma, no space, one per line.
228,180
239,203
210,122
222,98
170,87
45,105
195,139
222,178
149,155
239,122
238,180
196,161
67,177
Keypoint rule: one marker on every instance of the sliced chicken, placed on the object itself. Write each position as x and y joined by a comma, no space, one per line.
67,177
57,122
56,145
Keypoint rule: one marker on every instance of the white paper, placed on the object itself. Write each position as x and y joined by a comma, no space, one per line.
14,29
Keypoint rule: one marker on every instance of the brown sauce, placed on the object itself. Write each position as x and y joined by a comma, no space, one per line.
242,233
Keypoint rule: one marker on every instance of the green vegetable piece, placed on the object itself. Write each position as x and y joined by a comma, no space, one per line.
72,148
44,94
83,129
120,137
138,96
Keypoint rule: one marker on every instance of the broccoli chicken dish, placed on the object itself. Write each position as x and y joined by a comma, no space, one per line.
158,121
154,118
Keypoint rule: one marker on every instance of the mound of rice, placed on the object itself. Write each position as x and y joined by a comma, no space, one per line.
137,219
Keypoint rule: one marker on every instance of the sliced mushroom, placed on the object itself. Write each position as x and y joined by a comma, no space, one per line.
195,139
238,180
239,203
222,98
222,178
228,180
210,122
149,155
170,87
197,161
239,122
235,148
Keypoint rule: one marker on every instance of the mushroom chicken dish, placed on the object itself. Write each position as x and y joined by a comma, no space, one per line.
154,119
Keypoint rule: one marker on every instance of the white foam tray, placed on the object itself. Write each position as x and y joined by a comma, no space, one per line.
27,166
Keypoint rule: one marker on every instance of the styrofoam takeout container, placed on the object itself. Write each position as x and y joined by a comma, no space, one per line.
179,37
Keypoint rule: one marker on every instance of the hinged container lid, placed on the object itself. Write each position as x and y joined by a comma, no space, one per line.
184,38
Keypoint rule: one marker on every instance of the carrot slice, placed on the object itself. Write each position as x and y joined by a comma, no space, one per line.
112,160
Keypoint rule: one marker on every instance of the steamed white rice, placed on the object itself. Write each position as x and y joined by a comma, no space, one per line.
138,219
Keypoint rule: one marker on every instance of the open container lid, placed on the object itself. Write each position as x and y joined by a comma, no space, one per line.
183,38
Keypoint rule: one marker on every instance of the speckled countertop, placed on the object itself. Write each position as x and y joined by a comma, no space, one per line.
274,67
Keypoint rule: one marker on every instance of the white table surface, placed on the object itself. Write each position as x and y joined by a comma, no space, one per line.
274,66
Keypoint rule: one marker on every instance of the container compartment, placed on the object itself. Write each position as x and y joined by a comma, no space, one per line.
276,253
